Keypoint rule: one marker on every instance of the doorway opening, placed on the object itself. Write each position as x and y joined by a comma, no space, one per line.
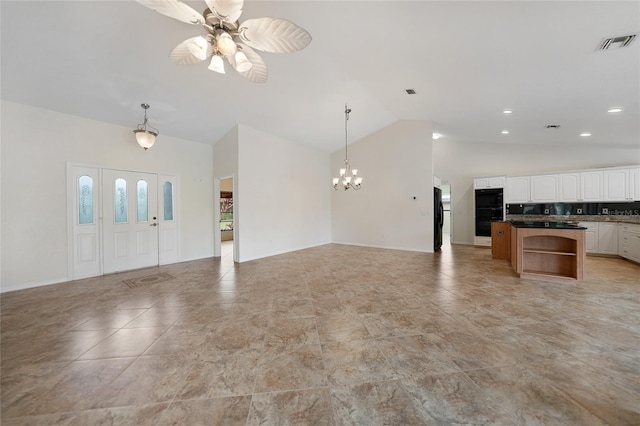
226,221
447,234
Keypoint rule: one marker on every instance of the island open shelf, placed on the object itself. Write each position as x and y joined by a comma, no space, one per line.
548,252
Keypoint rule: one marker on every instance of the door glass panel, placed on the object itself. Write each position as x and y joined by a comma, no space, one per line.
85,200
120,201
167,190
143,201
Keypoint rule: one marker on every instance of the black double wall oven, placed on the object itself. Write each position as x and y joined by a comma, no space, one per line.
489,208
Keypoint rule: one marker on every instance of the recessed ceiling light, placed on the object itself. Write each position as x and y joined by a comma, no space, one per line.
505,132
585,134
615,109
437,136
507,111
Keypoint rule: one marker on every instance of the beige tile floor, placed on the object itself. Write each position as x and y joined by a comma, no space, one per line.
331,335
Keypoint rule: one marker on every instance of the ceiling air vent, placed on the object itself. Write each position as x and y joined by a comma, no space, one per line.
616,42
553,126
410,92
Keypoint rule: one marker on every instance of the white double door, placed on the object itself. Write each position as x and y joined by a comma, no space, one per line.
130,220
120,220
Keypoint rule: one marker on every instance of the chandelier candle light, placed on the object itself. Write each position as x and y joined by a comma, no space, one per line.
146,137
348,177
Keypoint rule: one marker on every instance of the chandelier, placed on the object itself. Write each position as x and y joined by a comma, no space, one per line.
145,137
348,176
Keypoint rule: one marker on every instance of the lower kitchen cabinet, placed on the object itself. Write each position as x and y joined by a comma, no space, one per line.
629,241
601,237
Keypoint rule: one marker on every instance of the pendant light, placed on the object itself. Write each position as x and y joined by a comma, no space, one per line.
145,137
348,177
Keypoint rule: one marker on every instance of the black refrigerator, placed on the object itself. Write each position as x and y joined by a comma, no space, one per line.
438,218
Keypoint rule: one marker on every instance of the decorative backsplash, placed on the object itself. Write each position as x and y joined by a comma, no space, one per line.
577,209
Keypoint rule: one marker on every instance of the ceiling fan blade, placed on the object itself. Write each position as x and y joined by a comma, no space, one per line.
258,72
274,35
175,9
181,54
230,10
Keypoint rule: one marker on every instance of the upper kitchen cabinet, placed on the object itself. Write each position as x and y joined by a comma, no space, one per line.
591,184
518,189
544,189
616,185
489,182
569,187
634,184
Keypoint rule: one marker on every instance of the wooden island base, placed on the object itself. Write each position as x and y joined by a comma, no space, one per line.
548,252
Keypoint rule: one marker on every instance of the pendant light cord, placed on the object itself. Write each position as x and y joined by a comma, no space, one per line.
346,149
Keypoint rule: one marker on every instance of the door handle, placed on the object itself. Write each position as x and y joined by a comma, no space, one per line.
154,224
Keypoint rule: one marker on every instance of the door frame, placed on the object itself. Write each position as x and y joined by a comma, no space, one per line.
98,212
217,234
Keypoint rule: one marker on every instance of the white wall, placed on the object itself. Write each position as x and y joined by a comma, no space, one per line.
225,164
459,162
396,165
282,199
36,146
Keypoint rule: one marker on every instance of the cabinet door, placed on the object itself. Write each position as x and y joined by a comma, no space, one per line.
518,189
623,241
544,188
634,246
616,185
590,236
481,183
607,238
569,187
496,182
591,184
634,184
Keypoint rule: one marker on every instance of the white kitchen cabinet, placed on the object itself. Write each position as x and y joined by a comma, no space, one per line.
569,187
601,237
616,185
634,184
544,189
629,241
591,184
607,238
489,182
590,236
518,189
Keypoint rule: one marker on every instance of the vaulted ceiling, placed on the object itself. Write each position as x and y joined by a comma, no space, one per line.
466,61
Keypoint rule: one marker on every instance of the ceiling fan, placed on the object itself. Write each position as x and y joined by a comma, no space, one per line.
226,39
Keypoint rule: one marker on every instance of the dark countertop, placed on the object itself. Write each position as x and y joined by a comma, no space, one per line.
550,225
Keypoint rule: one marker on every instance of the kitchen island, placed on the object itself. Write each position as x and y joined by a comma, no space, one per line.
548,249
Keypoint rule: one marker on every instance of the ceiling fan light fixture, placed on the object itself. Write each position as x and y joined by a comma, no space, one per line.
199,47
242,63
217,64
225,44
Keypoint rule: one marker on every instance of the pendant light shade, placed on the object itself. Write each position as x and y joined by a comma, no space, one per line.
225,44
242,63
217,64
